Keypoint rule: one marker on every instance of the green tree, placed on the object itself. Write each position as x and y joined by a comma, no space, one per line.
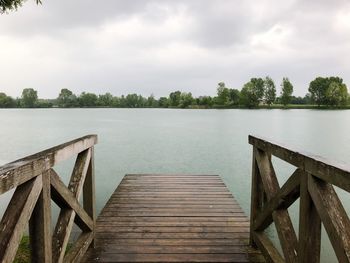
223,92
9,5
152,102
174,98
66,99
132,101
270,91
105,100
29,98
205,101
163,102
6,101
87,99
248,96
234,95
337,94
286,91
318,89
44,103
252,92
186,100
258,86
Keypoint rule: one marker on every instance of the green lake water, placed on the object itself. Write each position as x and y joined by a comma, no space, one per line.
177,141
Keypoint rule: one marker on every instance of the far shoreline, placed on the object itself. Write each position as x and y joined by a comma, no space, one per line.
195,107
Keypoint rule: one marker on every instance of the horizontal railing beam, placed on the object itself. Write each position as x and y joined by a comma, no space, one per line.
327,170
22,170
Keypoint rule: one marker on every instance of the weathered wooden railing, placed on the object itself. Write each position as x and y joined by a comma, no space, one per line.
313,182
36,184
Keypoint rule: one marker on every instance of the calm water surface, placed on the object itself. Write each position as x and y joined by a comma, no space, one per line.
177,141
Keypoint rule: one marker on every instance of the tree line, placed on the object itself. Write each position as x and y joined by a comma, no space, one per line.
323,91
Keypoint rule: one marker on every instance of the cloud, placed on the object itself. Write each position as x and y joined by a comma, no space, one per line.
162,45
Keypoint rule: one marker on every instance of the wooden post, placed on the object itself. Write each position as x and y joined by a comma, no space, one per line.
309,225
40,224
89,191
255,203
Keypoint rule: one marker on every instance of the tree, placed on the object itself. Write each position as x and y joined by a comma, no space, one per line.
258,86
29,98
186,99
105,100
286,91
9,5
6,101
174,98
270,90
152,102
337,94
252,92
87,99
132,101
223,97
205,101
66,99
163,102
318,89
248,97
234,96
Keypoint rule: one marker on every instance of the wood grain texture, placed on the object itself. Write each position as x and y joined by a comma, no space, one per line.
22,170
67,215
16,217
328,170
172,218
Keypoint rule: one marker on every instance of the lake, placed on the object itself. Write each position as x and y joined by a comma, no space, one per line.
177,141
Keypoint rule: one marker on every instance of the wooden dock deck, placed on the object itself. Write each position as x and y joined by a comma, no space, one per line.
172,218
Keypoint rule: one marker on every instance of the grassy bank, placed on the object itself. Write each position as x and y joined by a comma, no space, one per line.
23,252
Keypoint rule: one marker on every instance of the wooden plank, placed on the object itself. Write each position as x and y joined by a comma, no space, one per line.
238,242
178,249
176,258
309,226
173,224
171,219
173,210
162,199
328,170
66,217
192,214
139,235
172,229
333,216
40,224
64,198
16,217
128,176
22,170
165,205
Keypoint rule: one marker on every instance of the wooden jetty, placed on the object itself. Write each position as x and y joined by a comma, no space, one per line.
173,218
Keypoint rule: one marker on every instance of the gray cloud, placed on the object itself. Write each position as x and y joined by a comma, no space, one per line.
162,45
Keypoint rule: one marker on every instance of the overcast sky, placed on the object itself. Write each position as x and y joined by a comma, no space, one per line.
165,45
